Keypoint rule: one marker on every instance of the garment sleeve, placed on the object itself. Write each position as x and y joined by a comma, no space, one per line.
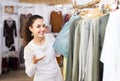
4,28
15,30
30,68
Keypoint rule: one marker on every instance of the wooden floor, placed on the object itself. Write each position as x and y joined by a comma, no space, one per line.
18,75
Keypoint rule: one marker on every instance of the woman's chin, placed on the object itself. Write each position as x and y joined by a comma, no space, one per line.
41,35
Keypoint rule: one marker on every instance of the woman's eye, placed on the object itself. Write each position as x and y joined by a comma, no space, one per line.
44,25
38,26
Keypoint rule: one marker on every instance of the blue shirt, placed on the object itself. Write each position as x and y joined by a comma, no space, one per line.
62,40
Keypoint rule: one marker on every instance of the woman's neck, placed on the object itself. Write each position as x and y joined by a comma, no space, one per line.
39,41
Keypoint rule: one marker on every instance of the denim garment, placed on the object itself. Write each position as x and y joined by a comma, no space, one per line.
62,40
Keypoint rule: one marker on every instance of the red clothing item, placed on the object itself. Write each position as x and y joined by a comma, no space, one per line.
66,18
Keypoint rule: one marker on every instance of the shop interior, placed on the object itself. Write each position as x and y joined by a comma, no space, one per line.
87,51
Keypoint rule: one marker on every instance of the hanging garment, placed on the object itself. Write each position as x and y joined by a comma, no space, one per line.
13,63
9,31
67,18
5,65
70,49
1,48
64,67
56,21
23,20
102,28
83,48
76,44
92,53
89,66
110,55
62,46
21,54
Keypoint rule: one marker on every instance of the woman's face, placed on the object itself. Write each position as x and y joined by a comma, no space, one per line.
38,28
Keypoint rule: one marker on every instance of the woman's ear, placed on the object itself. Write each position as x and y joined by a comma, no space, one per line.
30,28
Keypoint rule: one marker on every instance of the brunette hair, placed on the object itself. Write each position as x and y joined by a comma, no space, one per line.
27,37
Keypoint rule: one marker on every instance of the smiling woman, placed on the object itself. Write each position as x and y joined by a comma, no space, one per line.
39,55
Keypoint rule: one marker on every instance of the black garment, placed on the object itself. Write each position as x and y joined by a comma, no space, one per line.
12,48
21,55
8,31
5,65
13,63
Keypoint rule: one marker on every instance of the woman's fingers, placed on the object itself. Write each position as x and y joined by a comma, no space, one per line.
40,58
36,59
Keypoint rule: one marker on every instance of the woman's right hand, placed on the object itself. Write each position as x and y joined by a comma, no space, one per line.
36,59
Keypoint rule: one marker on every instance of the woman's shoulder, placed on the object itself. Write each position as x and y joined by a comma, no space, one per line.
49,34
28,46
28,50
50,37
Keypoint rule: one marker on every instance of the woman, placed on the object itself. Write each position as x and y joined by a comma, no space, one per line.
39,55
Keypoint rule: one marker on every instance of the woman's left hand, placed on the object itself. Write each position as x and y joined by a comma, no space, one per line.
36,59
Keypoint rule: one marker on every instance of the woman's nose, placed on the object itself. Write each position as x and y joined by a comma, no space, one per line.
42,28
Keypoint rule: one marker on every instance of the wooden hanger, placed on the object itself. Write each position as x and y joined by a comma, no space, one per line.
89,5
9,18
92,13
96,13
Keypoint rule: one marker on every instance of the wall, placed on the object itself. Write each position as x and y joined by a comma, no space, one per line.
47,1
24,8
